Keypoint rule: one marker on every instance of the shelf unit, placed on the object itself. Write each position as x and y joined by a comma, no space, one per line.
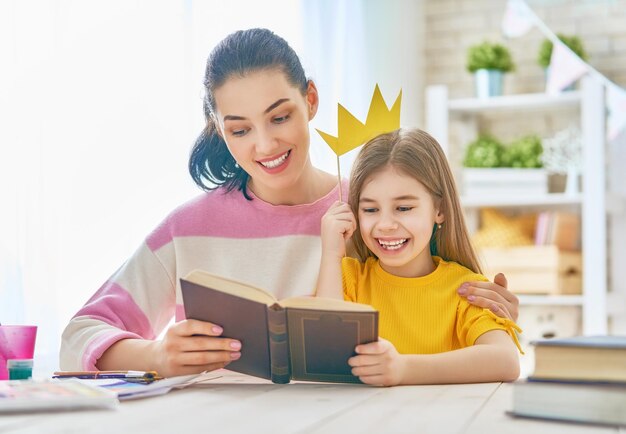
591,201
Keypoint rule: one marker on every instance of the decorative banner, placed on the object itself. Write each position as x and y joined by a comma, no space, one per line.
616,120
517,21
565,68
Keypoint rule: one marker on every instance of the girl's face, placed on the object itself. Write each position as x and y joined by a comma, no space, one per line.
396,218
264,121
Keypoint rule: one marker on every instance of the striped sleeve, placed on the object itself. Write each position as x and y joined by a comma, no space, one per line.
137,302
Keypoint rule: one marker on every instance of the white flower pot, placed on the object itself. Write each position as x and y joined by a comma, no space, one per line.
488,82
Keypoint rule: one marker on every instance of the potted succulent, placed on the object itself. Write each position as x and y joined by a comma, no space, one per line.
488,62
491,167
545,52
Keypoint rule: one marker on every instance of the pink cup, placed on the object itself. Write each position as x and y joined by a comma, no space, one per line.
16,342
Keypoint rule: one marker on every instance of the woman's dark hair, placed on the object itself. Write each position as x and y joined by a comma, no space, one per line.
210,163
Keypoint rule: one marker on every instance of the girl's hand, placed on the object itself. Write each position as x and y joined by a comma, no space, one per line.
378,363
494,296
338,225
191,346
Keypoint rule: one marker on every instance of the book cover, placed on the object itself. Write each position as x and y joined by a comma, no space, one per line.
583,358
300,338
593,403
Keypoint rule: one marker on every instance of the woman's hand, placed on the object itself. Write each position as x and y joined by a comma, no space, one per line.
338,225
378,363
494,296
191,346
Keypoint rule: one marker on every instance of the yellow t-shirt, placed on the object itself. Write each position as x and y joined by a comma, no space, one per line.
421,315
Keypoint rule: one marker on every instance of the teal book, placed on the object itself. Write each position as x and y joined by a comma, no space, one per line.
580,402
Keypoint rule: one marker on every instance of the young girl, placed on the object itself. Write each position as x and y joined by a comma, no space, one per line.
258,220
414,252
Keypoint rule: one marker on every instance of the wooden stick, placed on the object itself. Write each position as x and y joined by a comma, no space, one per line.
339,176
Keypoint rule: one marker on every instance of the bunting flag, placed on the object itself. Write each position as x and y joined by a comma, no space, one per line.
517,21
565,68
616,120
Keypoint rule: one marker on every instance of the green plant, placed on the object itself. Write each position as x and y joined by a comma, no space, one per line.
485,151
524,153
488,55
573,42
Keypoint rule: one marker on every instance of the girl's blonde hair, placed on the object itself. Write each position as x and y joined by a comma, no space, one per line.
418,155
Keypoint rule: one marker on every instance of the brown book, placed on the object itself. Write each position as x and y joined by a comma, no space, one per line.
299,338
581,358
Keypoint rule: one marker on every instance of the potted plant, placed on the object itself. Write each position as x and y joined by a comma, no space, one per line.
491,167
523,153
488,62
484,152
545,52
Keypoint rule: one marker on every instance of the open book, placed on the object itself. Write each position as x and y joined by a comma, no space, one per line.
300,338
47,395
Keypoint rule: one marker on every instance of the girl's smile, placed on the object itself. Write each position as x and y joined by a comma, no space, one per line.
392,244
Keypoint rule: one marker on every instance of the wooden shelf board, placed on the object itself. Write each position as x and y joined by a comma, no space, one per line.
554,199
550,300
533,101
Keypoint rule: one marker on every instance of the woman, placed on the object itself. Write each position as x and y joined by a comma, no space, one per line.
258,221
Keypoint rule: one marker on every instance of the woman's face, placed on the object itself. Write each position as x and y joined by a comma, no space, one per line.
264,121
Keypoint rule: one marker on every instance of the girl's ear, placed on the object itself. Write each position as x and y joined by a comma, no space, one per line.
312,99
439,217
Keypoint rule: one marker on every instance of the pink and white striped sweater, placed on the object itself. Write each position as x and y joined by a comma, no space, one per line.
275,247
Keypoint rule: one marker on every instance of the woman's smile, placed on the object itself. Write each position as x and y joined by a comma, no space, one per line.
275,164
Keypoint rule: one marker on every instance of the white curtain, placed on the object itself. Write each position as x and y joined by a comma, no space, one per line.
349,47
100,102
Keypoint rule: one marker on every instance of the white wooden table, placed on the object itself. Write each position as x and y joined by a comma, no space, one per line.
240,404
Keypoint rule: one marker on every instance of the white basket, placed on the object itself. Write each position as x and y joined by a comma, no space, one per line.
505,181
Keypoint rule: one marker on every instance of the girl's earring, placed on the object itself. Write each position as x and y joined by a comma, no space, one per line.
439,226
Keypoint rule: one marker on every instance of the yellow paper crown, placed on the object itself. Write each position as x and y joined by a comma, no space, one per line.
352,133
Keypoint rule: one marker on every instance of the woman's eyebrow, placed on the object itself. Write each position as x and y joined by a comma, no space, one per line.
276,104
267,110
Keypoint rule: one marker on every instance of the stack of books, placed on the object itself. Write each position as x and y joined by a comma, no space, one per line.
579,379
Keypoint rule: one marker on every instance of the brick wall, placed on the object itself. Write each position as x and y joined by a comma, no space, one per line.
451,26
454,25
